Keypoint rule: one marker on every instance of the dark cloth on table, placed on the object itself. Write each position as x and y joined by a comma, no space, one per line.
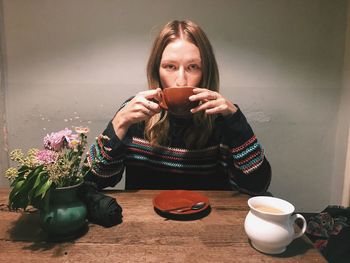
101,209
330,232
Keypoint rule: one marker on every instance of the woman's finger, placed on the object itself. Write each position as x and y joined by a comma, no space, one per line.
151,94
204,106
198,90
140,102
147,112
216,110
149,106
205,96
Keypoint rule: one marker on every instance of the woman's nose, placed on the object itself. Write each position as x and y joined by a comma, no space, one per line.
181,79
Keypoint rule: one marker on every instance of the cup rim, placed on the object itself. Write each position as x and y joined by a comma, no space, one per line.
179,87
287,208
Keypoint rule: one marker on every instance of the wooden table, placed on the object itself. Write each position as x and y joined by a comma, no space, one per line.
144,236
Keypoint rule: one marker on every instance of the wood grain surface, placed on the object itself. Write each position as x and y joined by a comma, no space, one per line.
144,236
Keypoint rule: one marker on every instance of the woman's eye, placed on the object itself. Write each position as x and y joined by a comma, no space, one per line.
193,67
169,67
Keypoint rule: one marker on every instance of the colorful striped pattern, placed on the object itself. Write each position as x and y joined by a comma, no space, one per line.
182,160
101,163
249,156
246,157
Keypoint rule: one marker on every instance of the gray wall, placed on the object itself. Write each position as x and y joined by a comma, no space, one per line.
3,131
74,62
341,176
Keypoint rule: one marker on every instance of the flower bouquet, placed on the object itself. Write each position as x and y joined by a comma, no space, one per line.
59,164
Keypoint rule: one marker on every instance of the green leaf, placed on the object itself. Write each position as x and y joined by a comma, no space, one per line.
32,191
43,189
23,169
21,194
15,189
19,198
19,201
30,181
46,188
16,181
38,169
39,178
20,177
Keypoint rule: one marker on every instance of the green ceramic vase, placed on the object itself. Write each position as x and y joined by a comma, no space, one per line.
66,217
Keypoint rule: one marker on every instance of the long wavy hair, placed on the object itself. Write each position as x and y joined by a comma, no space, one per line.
157,127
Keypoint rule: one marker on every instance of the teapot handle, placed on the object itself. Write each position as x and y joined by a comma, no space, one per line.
302,231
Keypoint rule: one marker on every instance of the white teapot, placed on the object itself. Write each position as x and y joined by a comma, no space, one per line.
269,224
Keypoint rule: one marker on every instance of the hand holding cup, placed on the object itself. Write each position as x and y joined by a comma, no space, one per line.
143,106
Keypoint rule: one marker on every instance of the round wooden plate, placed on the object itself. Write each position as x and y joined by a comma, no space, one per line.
170,199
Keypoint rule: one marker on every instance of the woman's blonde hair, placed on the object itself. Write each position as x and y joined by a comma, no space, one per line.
157,127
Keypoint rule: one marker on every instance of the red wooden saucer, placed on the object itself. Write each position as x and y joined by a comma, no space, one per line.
170,199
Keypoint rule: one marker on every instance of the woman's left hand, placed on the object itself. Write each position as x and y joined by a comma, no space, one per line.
212,102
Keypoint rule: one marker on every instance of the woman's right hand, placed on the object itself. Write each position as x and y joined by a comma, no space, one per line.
140,108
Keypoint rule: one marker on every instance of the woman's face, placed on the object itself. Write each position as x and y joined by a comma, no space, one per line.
180,65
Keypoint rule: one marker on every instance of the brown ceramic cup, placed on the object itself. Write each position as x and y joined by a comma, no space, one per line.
176,100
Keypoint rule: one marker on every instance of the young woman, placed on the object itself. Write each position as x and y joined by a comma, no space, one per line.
212,148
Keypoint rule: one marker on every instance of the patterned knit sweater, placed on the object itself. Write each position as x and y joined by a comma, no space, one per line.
232,159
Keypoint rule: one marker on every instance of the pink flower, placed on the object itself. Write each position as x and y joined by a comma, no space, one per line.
56,140
46,156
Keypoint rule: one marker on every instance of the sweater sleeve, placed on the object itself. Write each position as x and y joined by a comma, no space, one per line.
106,159
249,171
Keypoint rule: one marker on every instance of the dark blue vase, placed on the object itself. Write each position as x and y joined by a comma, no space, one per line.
66,217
